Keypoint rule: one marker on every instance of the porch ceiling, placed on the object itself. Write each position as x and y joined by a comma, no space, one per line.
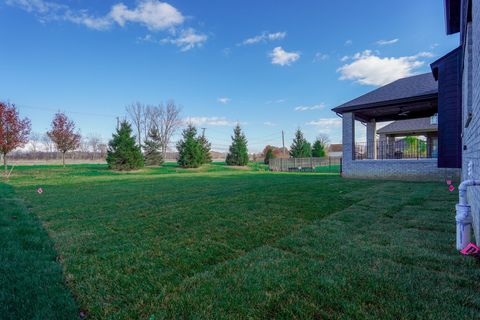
400,110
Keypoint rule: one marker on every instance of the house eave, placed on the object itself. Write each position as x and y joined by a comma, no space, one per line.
452,16
387,103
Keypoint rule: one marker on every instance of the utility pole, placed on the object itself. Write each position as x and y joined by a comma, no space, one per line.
118,122
203,132
283,143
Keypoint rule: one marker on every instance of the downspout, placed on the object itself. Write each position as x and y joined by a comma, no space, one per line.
464,215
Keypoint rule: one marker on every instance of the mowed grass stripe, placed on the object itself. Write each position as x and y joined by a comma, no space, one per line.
352,264
31,281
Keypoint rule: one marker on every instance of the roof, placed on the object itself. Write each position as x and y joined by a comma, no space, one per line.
399,91
335,147
409,126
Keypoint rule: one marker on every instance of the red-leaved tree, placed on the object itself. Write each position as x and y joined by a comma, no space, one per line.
63,134
14,131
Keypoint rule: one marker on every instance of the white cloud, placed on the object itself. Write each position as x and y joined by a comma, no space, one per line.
282,57
320,57
187,40
370,69
269,124
348,42
224,100
275,101
424,54
327,125
212,121
326,122
264,37
387,42
308,108
153,14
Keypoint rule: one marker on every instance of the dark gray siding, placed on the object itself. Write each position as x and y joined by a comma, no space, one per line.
450,110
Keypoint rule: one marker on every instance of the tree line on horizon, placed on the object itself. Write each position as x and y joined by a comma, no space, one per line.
154,126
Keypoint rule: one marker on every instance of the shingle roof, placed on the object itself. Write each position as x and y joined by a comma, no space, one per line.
410,87
335,147
410,125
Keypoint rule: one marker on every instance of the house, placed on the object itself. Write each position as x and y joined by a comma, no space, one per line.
463,17
335,150
407,99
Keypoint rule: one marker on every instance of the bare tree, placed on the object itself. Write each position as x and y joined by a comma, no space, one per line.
323,139
165,118
84,146
169,122
35,140
47,143
149,112
94,141
136,112
103,148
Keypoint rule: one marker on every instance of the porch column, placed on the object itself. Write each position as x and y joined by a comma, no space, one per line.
348,137
372,139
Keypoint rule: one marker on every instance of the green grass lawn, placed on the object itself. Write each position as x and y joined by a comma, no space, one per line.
217,242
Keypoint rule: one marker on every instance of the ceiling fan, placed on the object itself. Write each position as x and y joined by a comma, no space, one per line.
403,113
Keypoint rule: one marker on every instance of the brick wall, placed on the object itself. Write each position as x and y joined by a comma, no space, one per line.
471,101
405,169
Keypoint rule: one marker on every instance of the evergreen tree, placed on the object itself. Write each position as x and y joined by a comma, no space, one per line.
152,146
318,149
123,152
300,148
269,155
238,152
320,146
190,150
206,147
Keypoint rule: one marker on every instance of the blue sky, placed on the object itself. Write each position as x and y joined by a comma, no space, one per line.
271,65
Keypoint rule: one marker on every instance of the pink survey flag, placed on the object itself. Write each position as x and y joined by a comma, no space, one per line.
451,188
471,250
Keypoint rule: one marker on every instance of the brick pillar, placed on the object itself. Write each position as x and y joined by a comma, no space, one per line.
348,139
372,139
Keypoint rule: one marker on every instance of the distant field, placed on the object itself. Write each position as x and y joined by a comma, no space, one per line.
219,242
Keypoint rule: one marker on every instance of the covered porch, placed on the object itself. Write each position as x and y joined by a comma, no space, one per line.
401,151
403,139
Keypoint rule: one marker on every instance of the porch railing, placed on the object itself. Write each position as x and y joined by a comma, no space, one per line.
402,149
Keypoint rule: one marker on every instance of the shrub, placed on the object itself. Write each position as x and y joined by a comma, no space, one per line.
269,155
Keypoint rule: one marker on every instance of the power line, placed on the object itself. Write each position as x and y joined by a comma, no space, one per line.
69,111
